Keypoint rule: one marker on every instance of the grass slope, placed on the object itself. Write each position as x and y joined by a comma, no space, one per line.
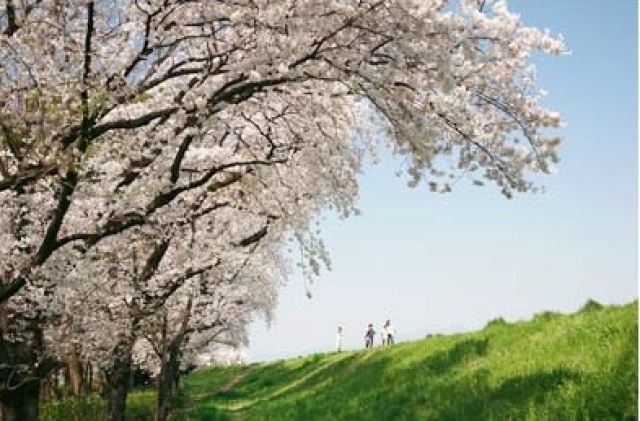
555,367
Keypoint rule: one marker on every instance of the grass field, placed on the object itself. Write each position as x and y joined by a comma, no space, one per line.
582,366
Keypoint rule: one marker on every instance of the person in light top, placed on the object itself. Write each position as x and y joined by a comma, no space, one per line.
339,339
390,332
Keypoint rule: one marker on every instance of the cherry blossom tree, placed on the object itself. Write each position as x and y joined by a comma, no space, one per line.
147,290
208,313
127,291
117,117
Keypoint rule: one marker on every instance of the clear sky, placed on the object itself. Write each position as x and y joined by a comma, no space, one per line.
437,263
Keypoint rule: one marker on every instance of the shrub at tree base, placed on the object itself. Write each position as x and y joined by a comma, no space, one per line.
140,407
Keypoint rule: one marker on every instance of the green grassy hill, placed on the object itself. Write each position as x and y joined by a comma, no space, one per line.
555,367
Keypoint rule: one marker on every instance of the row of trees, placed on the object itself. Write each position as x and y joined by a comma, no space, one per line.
156,157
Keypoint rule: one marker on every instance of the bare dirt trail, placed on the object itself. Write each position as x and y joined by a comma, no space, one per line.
234,381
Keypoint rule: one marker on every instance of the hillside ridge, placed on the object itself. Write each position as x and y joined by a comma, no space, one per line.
580,366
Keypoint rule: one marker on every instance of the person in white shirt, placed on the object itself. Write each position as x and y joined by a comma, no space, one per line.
339,339
389,332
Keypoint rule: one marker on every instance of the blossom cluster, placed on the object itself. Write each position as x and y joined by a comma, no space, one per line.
156,156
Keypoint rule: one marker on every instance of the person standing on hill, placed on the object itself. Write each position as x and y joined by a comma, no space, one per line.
383,335
368,336
339,339
389,331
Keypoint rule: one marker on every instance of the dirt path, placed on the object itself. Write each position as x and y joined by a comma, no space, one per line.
222,389
234,381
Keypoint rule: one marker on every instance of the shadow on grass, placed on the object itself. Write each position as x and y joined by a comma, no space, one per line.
461,352
268,380
314,375
474,398
282,381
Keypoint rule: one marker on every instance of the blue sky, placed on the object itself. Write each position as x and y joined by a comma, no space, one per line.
437,263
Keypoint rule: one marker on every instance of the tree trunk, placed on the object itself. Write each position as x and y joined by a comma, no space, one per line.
22,369
49,389
117,383
167,381
75,385
22,404
117,391
88,378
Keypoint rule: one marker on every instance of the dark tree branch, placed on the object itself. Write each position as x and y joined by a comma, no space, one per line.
177,162
253,238
49,243
133,123
153,261
9,290
12,25
27,176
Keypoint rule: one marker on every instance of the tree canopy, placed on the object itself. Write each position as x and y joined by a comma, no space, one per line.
156,154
